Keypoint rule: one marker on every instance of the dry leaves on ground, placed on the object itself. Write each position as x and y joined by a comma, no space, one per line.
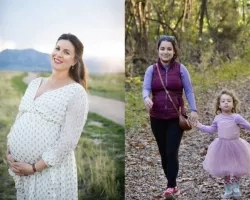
145,179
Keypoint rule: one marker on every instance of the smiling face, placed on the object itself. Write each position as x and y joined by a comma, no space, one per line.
166,51
63,56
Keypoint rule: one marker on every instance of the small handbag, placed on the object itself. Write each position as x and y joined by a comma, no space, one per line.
184,120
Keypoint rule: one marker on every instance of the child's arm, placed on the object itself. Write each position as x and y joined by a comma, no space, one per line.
207,129
242,122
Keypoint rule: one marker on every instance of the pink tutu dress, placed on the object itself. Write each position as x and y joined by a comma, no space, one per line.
228,154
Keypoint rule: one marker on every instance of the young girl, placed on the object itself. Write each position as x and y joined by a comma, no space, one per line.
228,156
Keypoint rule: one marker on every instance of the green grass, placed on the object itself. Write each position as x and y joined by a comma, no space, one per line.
18,83
108,86
210,77
110,141
45,74
9,100
100,166
135,112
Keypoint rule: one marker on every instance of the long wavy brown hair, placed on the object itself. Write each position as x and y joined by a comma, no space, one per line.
236,102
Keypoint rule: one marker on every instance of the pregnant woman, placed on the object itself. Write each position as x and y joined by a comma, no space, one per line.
49,123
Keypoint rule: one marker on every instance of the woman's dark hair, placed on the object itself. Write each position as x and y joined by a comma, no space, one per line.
78,72
172,40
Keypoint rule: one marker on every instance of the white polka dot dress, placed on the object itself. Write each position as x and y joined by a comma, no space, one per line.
49,128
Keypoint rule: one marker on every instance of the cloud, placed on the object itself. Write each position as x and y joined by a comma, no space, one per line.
7,44
45,48
105,48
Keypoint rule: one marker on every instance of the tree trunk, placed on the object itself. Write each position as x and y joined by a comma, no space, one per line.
202,12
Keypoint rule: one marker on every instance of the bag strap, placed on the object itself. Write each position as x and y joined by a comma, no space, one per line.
166,90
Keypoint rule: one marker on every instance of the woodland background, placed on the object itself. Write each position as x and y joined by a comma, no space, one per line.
214,40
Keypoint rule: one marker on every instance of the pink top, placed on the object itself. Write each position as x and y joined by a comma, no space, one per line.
228,126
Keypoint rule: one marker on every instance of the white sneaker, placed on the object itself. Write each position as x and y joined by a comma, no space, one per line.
228,193
236,190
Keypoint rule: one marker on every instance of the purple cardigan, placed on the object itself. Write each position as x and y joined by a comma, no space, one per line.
186,81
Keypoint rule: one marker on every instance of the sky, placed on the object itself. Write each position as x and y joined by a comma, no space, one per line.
99,24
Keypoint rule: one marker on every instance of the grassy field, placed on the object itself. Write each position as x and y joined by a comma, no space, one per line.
99,154
108,85
105,85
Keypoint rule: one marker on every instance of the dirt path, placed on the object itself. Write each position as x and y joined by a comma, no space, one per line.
144,175
108,108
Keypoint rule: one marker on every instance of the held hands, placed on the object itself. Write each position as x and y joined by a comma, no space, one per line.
194,118
148,103
196,124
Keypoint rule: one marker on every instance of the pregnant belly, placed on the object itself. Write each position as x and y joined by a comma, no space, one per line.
30,137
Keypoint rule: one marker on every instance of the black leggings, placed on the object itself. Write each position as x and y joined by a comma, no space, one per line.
168,136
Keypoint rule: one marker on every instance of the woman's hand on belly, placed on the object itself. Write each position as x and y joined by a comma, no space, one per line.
22,168
11,160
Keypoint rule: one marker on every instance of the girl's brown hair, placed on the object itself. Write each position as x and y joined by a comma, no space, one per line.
236,102
78,72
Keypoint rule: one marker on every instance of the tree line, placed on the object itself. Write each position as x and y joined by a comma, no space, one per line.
208,32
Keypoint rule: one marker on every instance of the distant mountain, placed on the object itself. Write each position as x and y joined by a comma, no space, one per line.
24,60
30,60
